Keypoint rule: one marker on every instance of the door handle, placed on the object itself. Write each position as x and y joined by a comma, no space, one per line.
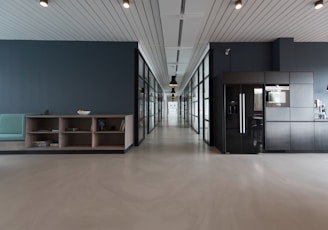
240,113
244,113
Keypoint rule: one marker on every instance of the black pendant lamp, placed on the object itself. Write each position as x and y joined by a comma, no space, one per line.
173,82
173,91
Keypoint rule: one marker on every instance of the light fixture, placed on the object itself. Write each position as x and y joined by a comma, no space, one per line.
172,97
126,4
44,3
238,4
318,4
172,91
173,82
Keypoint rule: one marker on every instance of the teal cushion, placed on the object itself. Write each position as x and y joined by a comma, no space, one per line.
12,126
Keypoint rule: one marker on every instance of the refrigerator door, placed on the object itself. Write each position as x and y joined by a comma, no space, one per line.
244,126
233,119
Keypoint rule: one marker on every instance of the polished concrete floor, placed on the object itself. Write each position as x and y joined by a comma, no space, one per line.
171,182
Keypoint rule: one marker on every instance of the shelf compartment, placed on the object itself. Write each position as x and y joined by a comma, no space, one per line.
43,140
42,124
110,124
77,139
83,124
115,140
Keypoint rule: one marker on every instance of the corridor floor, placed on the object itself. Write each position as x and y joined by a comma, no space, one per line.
173,181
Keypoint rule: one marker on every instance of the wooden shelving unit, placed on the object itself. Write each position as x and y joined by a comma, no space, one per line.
79,132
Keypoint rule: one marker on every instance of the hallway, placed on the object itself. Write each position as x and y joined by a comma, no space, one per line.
172,181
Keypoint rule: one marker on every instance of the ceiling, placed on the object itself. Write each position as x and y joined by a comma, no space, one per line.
172,34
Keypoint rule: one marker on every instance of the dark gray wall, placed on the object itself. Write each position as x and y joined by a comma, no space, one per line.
66,76
242,57
307,56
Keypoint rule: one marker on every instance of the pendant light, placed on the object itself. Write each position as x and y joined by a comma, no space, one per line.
238,4
173,82
318,4
126,4
44,3
172,91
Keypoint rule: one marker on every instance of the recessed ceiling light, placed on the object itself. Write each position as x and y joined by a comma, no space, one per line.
44,3
238,4
318,4
126,4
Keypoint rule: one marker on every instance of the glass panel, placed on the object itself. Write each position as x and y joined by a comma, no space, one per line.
258,99
141,66
207,131
201,71
206,109
207,65
146,74
207,87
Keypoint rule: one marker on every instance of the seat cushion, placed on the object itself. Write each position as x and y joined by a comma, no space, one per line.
12,126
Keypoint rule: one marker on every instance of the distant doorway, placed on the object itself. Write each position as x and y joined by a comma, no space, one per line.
172,116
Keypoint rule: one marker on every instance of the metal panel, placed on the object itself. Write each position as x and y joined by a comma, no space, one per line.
321,135
276,77
243,77
301,95
301,77
277,136
302,135
277,114
301,114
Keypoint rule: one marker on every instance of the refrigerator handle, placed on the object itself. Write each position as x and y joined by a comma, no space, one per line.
241,113
244,113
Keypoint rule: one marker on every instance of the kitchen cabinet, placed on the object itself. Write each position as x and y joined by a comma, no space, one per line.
277,136
302,136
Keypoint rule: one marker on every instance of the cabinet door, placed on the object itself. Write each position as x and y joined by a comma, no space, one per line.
301,95
301,114
277,114
321,135
277,136
277,78
302,135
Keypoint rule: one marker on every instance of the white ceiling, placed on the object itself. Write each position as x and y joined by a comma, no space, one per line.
165,29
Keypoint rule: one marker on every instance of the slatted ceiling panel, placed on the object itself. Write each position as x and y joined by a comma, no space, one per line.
241,21
219,20
113,31
278,16
316,24
97,19
65,11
